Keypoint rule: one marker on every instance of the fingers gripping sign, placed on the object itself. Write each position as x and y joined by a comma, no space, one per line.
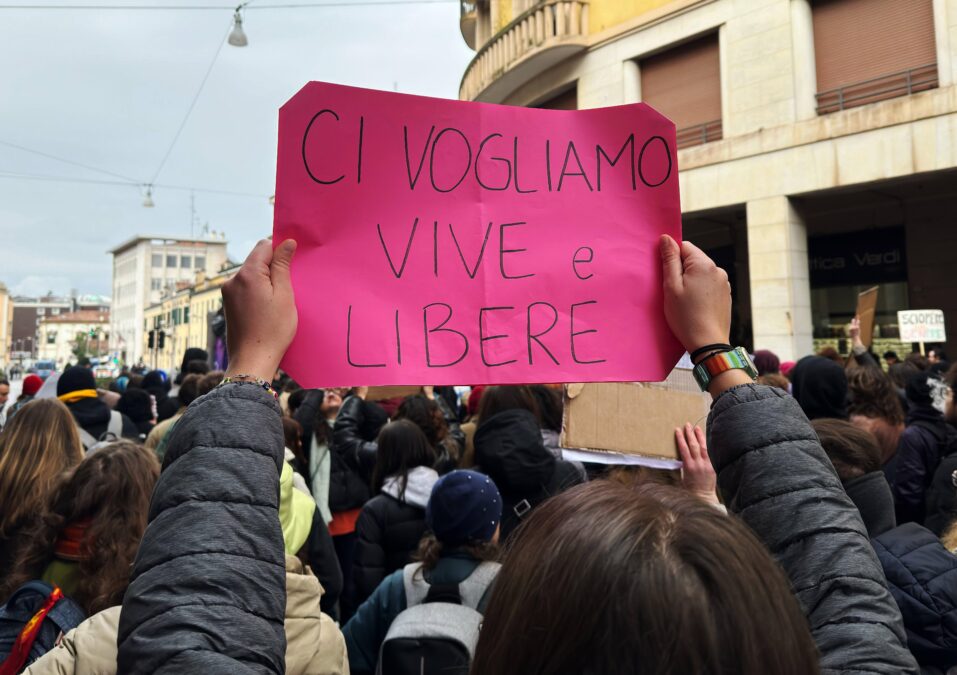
697,473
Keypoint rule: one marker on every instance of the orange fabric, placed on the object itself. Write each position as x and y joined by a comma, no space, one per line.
344,522
71,536
21,648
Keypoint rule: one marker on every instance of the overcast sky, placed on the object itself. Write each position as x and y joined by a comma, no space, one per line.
110,89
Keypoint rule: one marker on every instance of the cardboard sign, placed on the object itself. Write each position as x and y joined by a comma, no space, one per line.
922,325
633,420
383,393
443,242
866,308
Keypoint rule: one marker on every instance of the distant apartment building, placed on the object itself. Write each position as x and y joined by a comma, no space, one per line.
25,324
817,139
146,267
6,325
67,335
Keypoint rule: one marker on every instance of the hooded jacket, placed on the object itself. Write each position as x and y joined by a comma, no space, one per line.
353,452
314,644
93,415
820,387
941,503
389,529
922,576
775,476
920,448
872,496
509,449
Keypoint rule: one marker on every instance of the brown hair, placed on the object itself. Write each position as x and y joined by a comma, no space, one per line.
500,398
431,551
112,488
36,447
853,452
949,538
872,394
606,579
210,381
774,380
635,476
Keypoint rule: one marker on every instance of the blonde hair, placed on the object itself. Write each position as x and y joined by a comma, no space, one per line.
36,447
949,538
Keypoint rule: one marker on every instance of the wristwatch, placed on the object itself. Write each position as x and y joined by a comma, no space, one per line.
714,365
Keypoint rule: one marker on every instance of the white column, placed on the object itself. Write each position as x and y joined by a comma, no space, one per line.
802,53
631,81
945,38
780,288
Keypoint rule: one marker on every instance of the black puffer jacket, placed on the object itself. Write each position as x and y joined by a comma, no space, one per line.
922,576
776,477
941,504
389,530
208,588
872,496
353,453
510,450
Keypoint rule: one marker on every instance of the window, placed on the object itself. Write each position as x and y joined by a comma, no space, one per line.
684,85
41,311
200,262
51,337
157,260
186,315
185,262
567,100
871,50
171,261
156,284
54,311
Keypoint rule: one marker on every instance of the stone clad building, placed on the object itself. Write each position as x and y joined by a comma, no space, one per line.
817,138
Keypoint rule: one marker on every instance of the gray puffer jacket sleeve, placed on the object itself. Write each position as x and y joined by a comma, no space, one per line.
208,588
775,476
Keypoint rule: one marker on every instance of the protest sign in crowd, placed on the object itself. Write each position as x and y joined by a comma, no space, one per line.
278,518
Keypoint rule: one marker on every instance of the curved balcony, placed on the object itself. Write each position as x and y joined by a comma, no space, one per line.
536,40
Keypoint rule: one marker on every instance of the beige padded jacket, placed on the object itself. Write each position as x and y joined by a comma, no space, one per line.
314,643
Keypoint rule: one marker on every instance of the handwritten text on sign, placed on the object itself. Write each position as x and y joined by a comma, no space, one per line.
444,242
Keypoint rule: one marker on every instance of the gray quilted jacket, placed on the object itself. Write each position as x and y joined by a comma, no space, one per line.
775,476
208,588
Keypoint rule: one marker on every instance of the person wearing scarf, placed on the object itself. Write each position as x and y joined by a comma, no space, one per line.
77,389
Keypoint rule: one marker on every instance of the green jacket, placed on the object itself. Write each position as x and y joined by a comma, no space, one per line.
366,630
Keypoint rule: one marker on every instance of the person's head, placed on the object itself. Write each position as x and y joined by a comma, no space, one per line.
331,402
197,367
427,415
76,381
157,383
668,584
890,358
31,385
549,404
926,391
820,387
500,398
774,380
292,435
936,355
209,381
37,445
190,355
898,373
853,452
464,513
402,446
294,402
135,381
136,404
787,367
4,391
831,354
872,394
915,361
103,507
950,411
189,389
475,397
766,362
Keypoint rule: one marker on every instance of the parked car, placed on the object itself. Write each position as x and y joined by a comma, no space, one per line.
43,368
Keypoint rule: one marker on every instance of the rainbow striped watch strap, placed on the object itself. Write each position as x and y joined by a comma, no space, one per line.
714,365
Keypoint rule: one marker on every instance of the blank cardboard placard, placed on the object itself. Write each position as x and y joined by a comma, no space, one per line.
866,307
632,418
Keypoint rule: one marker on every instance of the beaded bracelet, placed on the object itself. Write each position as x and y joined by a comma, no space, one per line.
250,379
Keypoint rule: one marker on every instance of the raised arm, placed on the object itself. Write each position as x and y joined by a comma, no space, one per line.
775,476
207,591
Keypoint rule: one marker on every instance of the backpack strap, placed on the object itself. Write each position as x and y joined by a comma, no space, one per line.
443,593
416,587
20,651
474,588
115,426
86,438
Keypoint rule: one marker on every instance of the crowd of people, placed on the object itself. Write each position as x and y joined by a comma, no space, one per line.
236,522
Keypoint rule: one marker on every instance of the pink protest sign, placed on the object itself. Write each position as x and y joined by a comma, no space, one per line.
449,242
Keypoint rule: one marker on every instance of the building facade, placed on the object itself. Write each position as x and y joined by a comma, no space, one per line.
817,138
146,267
67,336
25,323
6,325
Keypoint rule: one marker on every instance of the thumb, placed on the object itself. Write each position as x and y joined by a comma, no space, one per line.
281,264
670,261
